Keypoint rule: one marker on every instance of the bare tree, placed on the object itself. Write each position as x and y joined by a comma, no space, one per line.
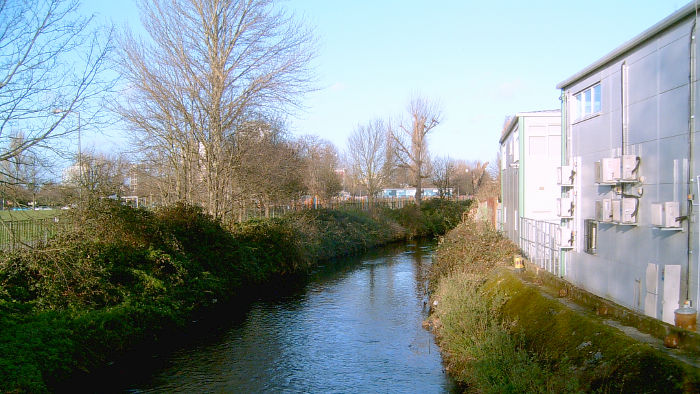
443,174
270,170
411,140
102,174
369,158
49,59
207,68
321,177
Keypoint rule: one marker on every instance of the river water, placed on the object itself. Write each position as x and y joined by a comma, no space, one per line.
354,327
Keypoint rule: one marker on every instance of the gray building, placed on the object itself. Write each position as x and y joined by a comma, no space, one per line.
630,152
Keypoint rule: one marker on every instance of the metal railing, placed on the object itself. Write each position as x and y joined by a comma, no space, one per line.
539,242
27,232
252,212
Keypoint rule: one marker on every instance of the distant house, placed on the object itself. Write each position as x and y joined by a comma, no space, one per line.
530,154
630,171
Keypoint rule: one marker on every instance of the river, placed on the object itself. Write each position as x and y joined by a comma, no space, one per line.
354,327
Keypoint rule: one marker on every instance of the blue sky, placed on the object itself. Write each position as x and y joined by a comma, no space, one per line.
480,60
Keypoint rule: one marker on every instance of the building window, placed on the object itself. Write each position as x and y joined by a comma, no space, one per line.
587,102
591,236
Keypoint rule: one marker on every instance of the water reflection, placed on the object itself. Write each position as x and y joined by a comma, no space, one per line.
353,329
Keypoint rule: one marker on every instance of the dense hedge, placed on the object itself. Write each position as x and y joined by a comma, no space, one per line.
120,277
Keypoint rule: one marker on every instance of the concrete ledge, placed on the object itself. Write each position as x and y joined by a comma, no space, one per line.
688,341
604,355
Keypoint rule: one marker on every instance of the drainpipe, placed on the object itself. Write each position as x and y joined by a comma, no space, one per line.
691,164
564,161
624,76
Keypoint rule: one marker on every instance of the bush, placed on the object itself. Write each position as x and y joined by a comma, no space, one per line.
117,277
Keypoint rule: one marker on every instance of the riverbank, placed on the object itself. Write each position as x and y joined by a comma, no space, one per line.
121,278
499,333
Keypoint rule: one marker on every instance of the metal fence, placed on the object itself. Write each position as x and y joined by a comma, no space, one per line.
539,242
29,232
253,212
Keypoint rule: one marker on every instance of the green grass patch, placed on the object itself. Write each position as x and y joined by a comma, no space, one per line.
30,215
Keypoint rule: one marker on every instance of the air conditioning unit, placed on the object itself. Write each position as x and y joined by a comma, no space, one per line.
672,211
665,214
616,208
630,167
565,175
607,170
566,238
565,207
629,210
603,210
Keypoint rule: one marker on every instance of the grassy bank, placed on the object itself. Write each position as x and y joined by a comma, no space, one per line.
500,335
122,278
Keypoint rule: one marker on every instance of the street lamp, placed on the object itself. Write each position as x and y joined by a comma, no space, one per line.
80,154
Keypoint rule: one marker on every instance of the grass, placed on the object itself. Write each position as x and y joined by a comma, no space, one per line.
29,215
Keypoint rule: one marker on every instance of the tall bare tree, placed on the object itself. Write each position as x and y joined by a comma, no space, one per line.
443,173
411,140
208,67
50,58
321,157
102,174
368,156
270,170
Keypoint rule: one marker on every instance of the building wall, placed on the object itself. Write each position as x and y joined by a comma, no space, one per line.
637,266
510,154
542,155
530,155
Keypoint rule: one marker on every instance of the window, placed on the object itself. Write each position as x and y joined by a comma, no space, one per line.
591,236
587,102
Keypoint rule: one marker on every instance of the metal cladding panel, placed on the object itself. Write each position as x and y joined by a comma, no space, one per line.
592,135
680,31
673,159
674,112
649,165
642,121
674,60
643,78
614,96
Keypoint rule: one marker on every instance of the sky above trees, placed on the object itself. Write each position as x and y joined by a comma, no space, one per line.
482,61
